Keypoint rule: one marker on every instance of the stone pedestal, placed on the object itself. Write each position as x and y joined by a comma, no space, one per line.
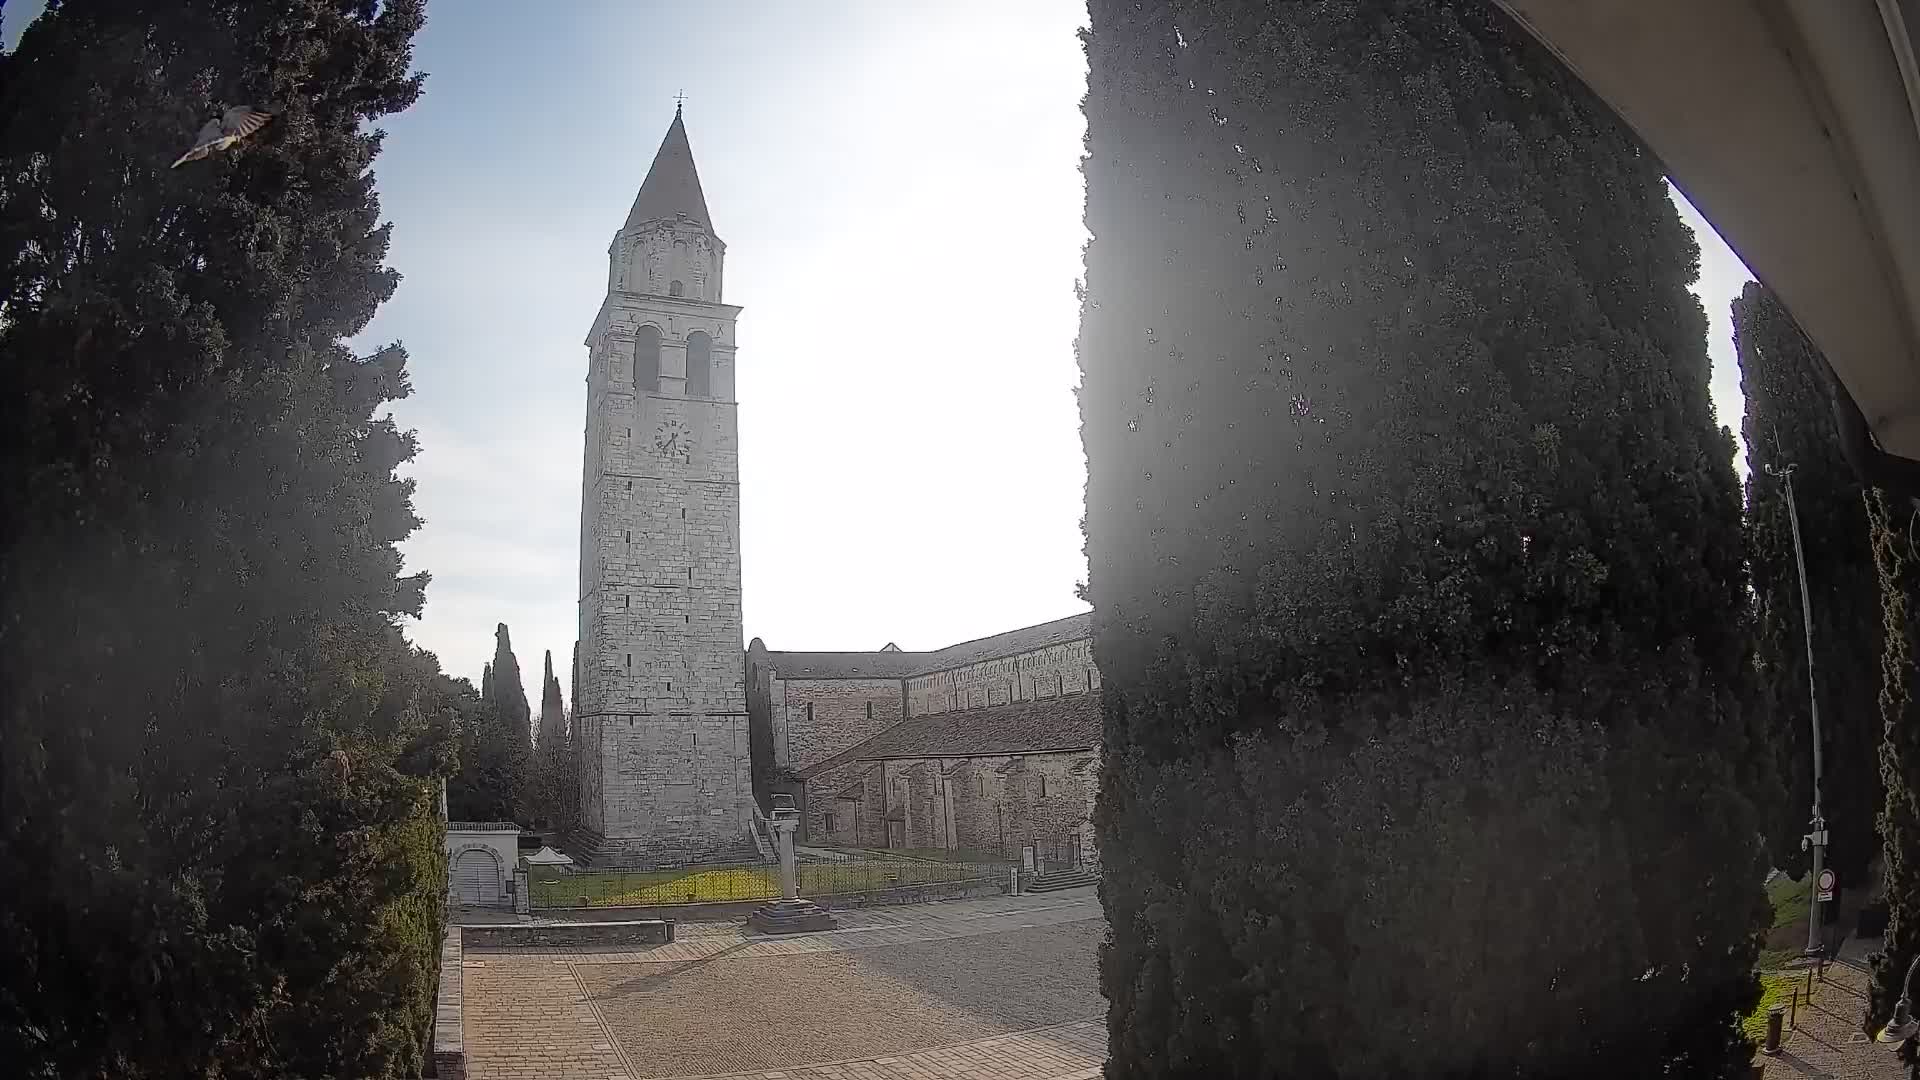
789,914
790,917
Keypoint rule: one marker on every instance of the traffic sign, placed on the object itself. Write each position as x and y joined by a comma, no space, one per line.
1826,886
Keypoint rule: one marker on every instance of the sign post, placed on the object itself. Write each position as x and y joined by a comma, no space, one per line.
1823,888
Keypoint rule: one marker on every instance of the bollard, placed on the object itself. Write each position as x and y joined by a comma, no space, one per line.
670,929
1776,1017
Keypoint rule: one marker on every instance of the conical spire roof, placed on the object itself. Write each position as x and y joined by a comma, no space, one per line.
672,186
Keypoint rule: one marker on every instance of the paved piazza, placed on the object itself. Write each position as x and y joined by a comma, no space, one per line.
1001,989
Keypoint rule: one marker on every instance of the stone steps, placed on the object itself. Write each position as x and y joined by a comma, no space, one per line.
1054,880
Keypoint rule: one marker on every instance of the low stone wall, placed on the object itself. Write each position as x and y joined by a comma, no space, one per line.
449,1027
533,935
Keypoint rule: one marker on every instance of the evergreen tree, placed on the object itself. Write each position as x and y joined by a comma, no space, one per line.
1415,557
1789,422
483,788
218,760
1894,551
547,796
497,776
509,696
553,713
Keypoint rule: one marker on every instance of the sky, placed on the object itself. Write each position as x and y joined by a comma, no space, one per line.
898,187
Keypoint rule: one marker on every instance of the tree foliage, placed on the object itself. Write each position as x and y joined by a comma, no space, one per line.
1896,552
1789,422
497,777
551,781
218,759
1416,561
508,695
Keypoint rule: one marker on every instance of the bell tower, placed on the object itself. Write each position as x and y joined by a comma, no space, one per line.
661,729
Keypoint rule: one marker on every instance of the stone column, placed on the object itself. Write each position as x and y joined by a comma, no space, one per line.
789,914
783,830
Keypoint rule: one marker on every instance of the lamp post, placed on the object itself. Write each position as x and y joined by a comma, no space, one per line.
1816,840
1903,1026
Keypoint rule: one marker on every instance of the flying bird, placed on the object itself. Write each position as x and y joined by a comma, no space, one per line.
224,132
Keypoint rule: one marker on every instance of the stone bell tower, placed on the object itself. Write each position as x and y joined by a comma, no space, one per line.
661,727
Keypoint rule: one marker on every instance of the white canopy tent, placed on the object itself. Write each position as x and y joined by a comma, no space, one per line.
1794,126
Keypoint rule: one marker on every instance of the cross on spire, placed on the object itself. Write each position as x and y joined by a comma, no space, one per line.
679,100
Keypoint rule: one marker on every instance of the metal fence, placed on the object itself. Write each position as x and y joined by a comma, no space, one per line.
853,882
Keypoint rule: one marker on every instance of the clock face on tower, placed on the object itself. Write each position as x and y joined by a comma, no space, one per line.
673,441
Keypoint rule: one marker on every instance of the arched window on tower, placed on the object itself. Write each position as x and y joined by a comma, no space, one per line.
699,365
646,360
677,288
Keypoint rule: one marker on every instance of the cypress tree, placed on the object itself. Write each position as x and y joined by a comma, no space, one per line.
1416,561
509,696
1894,546
1789,422
498,778
553,719
547,796
217,758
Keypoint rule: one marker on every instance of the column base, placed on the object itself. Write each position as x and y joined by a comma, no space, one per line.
790,917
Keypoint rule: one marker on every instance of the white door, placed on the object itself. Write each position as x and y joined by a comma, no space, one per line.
476,880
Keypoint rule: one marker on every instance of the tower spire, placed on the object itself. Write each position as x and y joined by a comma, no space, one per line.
672,186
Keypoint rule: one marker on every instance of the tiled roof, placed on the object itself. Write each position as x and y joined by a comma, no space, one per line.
844,665
1024,727
482,826
1025,639
891,663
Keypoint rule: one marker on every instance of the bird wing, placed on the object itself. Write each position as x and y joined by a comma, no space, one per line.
243,121
209,132
195,154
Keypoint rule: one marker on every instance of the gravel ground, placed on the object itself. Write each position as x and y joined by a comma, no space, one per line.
724,1015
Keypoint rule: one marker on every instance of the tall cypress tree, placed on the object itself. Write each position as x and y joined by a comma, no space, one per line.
1894,550
553,712
1416,561
509,695
1789,422
217,758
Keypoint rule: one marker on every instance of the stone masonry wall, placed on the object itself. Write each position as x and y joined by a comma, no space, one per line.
814,719
1042,673
987,804
662,698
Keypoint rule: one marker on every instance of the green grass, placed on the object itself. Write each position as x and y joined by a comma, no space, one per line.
1776,988
695,885
1789,899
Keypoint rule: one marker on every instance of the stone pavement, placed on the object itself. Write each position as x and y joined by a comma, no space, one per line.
1001,989
1827,1042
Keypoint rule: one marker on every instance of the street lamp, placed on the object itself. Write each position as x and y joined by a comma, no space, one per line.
1903,1026
1816,840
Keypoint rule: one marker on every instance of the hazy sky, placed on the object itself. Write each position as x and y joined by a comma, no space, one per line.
898,187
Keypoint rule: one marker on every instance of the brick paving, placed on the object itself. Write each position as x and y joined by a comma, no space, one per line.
1000,989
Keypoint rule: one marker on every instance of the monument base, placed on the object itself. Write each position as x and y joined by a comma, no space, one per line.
790,917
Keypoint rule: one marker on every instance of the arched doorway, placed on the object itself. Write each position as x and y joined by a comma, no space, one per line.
476,877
